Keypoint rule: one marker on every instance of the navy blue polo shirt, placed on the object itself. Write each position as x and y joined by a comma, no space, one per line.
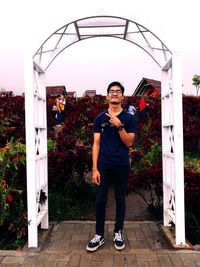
112,149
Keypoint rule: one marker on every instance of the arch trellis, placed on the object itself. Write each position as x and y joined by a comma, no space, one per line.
172,128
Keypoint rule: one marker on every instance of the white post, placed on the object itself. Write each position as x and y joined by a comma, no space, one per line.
166,162
30,152
36,148
178,146
172,147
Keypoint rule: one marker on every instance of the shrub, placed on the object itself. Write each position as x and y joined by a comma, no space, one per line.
69,156
12,210
71,200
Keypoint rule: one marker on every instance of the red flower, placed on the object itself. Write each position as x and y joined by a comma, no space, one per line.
15,159
9,197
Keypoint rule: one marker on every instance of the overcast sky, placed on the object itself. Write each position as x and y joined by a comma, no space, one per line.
94,63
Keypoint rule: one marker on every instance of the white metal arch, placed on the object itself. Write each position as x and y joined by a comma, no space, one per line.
172,128
101,26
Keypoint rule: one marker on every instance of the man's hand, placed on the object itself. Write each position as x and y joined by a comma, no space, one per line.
96,177
114,120
127,138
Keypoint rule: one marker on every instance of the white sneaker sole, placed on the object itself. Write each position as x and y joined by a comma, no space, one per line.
94,249
119,248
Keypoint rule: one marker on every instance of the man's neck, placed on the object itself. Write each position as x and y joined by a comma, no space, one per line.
115,109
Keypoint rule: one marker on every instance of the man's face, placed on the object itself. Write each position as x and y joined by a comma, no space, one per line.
115,95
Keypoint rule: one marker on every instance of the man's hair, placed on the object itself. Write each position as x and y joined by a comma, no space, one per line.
115,84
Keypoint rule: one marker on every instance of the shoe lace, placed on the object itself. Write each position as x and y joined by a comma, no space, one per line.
96,239
118,236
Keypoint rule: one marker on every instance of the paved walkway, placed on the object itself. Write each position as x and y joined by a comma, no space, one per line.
65,247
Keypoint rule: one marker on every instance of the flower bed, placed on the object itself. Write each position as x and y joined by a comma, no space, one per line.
69,159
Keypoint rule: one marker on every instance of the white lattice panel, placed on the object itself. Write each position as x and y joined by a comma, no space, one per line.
36,145
172,148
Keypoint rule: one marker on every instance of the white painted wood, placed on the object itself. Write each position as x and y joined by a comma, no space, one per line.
30,153
42,216
172,147
36,145
178,147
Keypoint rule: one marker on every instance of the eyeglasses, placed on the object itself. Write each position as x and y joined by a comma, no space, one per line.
112,92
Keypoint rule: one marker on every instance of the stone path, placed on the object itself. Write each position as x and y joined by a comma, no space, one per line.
145,246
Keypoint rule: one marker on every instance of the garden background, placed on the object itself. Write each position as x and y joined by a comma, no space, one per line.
71,193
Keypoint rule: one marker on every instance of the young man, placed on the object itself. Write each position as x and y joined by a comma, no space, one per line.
114,131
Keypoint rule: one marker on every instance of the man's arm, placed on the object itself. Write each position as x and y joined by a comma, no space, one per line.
95,155
127,138
58,105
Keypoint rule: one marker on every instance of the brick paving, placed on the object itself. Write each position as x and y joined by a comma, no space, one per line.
145,247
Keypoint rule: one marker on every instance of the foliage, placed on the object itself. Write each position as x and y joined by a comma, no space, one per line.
11,156
192,226
71,200
191,124
16,244
8,240
155,153
148,184
69,158
196,82
18,220
192,162
12,118
192,190
51,145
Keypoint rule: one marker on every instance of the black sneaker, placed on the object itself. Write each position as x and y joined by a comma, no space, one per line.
119,243
96,242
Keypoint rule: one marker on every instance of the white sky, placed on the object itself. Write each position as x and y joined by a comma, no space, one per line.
94,63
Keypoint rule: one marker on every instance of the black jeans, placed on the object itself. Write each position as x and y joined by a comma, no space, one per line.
120,175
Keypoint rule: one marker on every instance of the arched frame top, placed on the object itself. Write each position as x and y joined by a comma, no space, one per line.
102,26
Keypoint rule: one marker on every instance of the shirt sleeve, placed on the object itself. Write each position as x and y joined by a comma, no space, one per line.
97,125
131,126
